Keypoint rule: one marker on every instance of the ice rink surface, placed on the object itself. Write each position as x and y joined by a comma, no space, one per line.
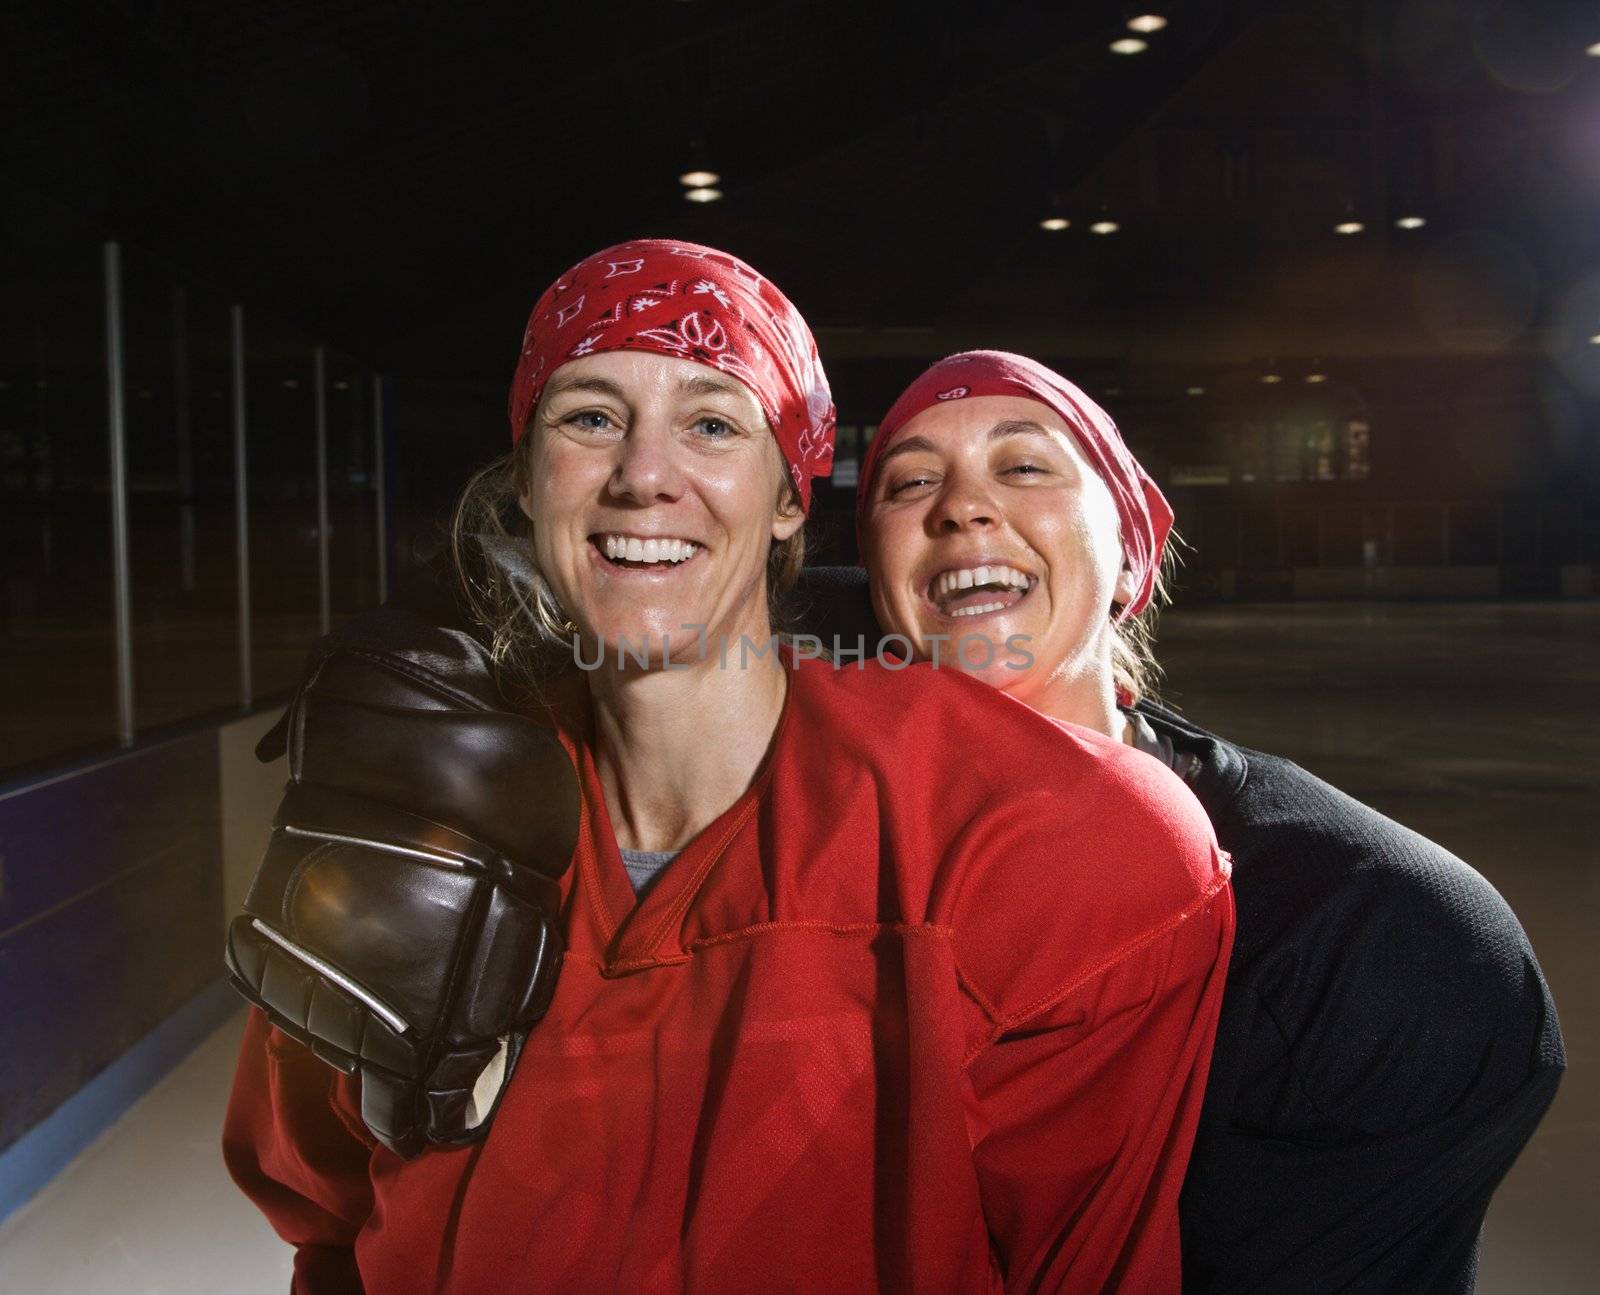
1476,724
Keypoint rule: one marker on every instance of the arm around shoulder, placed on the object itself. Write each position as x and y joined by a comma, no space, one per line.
1093,944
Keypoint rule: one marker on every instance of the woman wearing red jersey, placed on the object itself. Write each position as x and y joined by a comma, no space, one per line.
845,1006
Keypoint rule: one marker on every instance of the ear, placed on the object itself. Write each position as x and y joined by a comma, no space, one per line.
525,502
1127,585
788,517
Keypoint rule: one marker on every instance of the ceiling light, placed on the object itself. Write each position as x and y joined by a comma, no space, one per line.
702,194
1055,223
1147,23
1271,378
1104,227
698,179
1594,50
341,385
1316,377
1595,340
1411,222
291,384
1348,227
1129,45
1197,391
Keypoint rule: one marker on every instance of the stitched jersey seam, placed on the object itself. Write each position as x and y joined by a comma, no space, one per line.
1013,1019
686,896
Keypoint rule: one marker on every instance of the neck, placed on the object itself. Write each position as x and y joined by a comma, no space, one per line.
675,748
1085,697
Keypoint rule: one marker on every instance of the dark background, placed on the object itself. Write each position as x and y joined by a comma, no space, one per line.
397,181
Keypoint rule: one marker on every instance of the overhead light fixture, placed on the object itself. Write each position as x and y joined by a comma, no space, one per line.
1055,224
1104,227
1348,227
1197,391
702,194
1316,377
1129,45
1594,50
341,385
1410,222
1147,23
698,179
291,384
1595,340
1272,379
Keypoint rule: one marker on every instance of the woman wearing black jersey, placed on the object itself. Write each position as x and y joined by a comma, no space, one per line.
1387,1043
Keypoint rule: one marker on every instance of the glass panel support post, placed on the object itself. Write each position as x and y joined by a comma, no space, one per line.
241,506
319,364
117,426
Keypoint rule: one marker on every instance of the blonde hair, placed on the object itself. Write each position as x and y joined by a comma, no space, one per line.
1134,668
529,632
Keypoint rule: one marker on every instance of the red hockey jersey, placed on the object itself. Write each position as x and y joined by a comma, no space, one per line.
928,1008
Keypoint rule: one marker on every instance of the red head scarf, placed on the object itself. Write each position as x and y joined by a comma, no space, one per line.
695,303
1145,515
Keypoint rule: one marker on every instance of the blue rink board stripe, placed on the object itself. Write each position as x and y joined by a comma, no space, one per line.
34,1160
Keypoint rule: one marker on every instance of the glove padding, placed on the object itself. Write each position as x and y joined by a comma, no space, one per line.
403,922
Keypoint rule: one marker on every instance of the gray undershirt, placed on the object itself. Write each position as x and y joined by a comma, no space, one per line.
644,866
1146,739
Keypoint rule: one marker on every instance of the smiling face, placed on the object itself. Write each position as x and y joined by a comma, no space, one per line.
986,520
654,488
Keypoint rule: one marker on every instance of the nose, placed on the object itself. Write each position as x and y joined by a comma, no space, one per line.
964,505
646,470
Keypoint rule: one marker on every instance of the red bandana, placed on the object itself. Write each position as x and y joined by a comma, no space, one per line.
1146,516
695,303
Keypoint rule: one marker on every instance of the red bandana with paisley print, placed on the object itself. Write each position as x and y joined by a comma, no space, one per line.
694,303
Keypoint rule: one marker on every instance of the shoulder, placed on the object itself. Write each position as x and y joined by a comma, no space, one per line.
1378,953
1048,849
1310,853
932,722
1306,850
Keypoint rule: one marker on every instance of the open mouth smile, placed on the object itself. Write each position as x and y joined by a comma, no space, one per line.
978,590
643,553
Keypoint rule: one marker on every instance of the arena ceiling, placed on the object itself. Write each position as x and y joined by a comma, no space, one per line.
401,177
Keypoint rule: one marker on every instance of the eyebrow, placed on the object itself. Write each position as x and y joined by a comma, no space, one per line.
1004,428
699,385
599,386
707,385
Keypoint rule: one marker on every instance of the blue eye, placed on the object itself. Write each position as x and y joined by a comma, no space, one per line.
715,428
591,420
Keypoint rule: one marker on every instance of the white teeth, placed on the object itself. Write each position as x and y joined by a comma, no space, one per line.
627,548
949,582
978,610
